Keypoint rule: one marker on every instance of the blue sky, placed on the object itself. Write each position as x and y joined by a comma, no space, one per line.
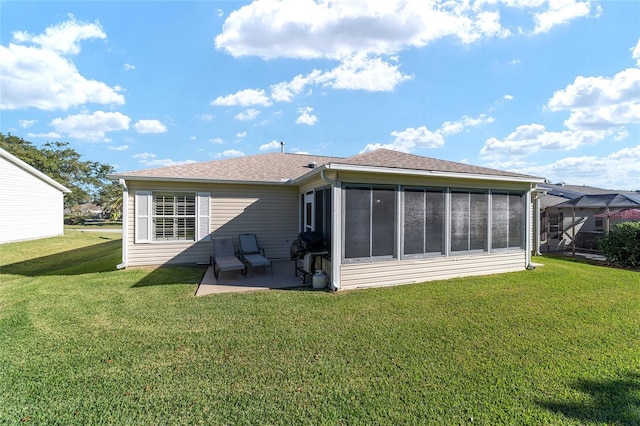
549,88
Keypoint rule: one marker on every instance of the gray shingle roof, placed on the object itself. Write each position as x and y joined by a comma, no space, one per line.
273,167
603,200
281,167
400,160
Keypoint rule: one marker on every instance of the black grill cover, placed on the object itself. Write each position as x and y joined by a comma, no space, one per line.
306,242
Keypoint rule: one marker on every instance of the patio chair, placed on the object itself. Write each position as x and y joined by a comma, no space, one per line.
252,254
224,258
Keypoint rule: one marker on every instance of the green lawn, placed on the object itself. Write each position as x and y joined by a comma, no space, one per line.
83,343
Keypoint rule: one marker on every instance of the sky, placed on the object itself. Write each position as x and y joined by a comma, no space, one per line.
549,88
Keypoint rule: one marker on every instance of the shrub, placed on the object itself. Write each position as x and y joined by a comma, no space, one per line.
622,244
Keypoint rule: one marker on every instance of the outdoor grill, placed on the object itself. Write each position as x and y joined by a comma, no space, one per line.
305,248
305,243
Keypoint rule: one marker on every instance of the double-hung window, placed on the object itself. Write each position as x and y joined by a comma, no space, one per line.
162,216
174,216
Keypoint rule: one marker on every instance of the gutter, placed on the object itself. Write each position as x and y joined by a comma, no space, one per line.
125,221
197,180
412,172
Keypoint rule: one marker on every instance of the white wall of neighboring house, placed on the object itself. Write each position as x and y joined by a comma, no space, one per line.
31,203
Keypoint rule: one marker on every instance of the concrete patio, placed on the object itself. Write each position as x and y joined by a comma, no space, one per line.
233,281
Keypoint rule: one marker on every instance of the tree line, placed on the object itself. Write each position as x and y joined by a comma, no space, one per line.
87,180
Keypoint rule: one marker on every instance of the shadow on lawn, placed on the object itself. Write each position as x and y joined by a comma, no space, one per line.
101,257
169,275
613,401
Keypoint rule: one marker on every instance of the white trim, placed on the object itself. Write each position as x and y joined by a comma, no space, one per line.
528,231
337,236
432,173
125,224
196,180
18,162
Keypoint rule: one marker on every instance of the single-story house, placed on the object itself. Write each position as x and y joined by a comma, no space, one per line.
387,217
576,224
31,203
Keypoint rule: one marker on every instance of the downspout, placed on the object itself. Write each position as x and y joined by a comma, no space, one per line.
336,231
538,212
125,221
573,231
528,223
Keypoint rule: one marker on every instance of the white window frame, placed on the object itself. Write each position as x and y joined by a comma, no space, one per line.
144,217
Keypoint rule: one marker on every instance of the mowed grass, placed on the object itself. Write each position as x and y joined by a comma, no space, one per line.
84,343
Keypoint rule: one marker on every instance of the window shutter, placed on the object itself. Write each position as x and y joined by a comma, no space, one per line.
142,211
203,220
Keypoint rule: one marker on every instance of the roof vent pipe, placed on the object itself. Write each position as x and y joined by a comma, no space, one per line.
313,165
282,147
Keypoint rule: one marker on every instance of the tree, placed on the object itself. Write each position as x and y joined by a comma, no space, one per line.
85,179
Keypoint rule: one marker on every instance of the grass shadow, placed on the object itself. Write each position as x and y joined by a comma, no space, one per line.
610,401
170,275
102,257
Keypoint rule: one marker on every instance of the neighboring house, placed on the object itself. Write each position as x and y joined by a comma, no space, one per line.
387,217
31,203
574,217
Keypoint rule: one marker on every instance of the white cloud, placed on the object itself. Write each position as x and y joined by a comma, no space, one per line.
150,126
63,38
336,29
217,141
453,127
561,12
91,127
271,146
149,160
410,139
355,72
530,138
144,156
246,97
42,77
26,123
230,153
50,135
635,53
619,170
241,135
508,97
129,67
362,72
599,102
285,91
118,148
247,115
205,117
306,117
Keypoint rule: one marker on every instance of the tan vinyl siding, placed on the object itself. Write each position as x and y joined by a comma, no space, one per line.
269,211
376,274
30,208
